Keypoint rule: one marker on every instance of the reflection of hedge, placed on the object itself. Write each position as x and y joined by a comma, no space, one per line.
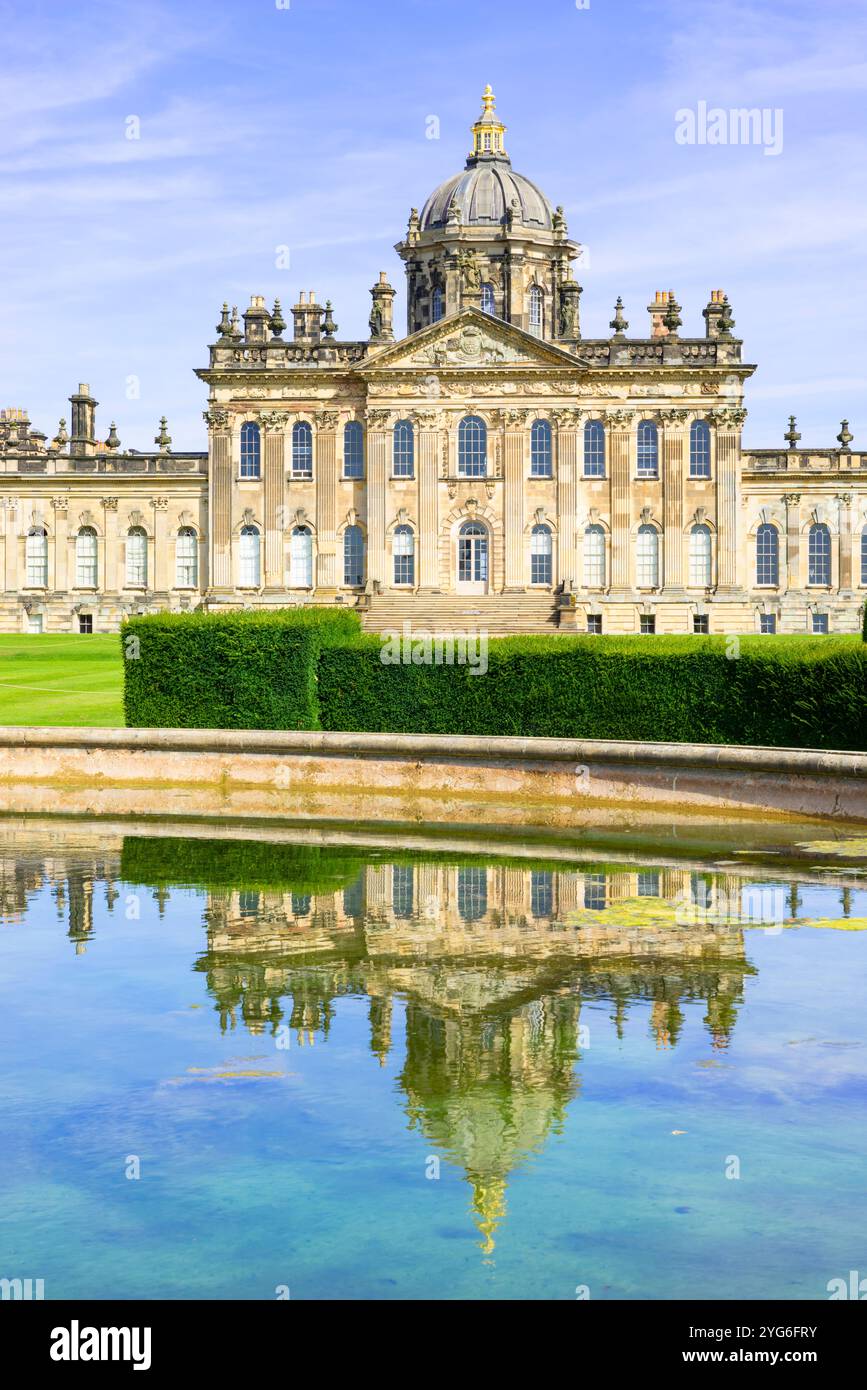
311,668
778,691
244,864
227,671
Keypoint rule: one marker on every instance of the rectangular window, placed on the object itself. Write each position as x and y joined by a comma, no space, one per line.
85,622
648,885
701,623
595,892
594,623
820,622
648,623
767,622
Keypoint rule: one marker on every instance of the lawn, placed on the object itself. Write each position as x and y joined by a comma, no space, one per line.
61,678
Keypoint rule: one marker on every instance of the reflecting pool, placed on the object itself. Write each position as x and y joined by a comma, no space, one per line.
246,1069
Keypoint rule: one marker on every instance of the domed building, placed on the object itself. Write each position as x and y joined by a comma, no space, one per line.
495,468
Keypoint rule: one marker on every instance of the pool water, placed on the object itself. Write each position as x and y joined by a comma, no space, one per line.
235,1069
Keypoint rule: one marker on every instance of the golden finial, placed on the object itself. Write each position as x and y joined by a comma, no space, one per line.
488,130
489,101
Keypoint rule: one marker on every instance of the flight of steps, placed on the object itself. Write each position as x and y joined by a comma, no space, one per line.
500,615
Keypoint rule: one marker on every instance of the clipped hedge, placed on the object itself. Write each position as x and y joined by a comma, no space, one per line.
777,691
245,670
174,861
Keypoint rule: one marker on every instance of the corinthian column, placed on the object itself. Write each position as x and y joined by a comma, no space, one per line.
673,468
513,497
618,448
728,422
429,424
377,486
220,497
326,500
567,491
274,466
793,540
844,502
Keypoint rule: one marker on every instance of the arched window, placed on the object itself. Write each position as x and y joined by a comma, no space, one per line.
594,558
541,549
353,557
700,560
473,553
36,555
540,449
436,305
647,558
251,450
537,301
249,567
187,559
86,563
403,450
594,449
472,894
699,449
489,305
353,449
301,558
403,550
472,447
864,556
136,558
648,450
819,555
302,450
767,554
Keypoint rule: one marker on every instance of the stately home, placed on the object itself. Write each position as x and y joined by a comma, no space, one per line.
492,468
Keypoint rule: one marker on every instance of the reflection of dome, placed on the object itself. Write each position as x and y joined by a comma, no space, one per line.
485,192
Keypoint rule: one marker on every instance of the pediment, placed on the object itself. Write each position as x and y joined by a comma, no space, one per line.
469,339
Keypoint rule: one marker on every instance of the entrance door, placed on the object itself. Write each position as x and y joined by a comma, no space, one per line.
472,558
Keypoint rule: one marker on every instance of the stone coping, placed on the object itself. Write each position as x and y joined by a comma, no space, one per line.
483,749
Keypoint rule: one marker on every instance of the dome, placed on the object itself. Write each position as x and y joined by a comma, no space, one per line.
489,187
484,192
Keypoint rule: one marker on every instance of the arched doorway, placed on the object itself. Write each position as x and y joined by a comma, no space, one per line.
473,567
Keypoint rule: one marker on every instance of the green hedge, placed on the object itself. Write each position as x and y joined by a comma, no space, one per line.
174,861
247,670
313,668
779,691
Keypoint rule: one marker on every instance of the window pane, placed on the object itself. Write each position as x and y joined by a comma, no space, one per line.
700,566
86,558
541,548
536,309
594,558
187,559
248,554
540,449
647,558
137,558
767,555
699,449
37,559
404,556
250,450
488,303
301,558
353,556
648,449
594,449
353,450
302,449
472,447
820,555
402,890
436,305
472,893
403,451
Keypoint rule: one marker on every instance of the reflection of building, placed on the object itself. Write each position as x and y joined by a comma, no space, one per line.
494,451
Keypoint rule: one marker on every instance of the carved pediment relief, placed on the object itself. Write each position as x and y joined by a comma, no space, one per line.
471,339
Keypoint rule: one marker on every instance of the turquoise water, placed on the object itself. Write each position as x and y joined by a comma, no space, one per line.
364,1075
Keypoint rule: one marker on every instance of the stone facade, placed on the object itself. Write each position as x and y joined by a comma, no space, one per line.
491,468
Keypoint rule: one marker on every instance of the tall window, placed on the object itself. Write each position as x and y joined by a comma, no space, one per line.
404,555
647,558
402,890
864,556
403,450
136,557
36,554
594,558
488,303
648,450
251,450
187,559
541,892
86,567
700,562
436,305
819,555
302,450
541,549
540,449
594,449
699,449
536,310
249,567
301,558
767,554
353,449
353,557
472,447
472,894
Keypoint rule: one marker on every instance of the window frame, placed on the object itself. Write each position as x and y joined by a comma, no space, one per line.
645,450
595,449
541,457
250,454
403,450
353,430
302,447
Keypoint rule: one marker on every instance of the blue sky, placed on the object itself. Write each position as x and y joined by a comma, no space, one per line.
305,127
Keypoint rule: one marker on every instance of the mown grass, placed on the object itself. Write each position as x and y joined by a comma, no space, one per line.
61,678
